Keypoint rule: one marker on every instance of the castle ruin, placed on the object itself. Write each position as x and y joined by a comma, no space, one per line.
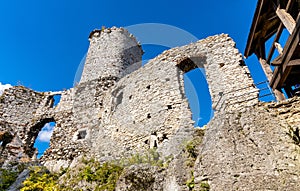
120,108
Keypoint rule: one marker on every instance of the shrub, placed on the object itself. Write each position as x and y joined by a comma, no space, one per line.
7,178
40,179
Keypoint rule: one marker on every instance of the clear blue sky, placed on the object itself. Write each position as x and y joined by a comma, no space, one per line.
43,42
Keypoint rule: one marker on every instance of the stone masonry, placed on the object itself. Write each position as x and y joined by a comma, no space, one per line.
119,107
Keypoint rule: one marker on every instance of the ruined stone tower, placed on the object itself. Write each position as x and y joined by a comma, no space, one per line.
112,52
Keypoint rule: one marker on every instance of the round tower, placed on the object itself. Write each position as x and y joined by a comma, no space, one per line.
112,52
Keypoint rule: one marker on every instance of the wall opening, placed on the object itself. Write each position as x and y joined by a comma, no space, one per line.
5,138
56,100
196,90
42,141
81,134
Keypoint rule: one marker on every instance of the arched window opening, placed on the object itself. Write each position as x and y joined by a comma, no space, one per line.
198,96
196,89
42,142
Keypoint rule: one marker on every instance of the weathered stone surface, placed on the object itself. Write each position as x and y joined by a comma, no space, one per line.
112,52
251,150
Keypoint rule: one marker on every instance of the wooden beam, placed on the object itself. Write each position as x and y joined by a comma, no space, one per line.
286,19
266,68
279,95
278,33
281,72
277,61
277,37
294,62
269,74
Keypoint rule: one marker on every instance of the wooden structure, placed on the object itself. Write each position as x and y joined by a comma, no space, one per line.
271,17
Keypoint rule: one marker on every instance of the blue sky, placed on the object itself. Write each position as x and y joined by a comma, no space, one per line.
43,42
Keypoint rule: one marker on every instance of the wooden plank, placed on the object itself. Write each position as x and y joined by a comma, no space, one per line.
294,62
281,72
266,68
278,33
286,19
277,61
269,74
279,95
277,37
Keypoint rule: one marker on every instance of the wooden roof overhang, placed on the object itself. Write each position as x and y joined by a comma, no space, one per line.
270,17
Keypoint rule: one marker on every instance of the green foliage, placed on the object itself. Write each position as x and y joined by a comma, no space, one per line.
152,157
191,182
105,176
7,178
90,174
40,180
204,186
191,146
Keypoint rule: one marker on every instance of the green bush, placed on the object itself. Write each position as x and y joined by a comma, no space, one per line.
151,157
105,175
40,180
7,178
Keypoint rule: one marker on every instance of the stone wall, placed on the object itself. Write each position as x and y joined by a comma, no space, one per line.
20,121
229,80
253,149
